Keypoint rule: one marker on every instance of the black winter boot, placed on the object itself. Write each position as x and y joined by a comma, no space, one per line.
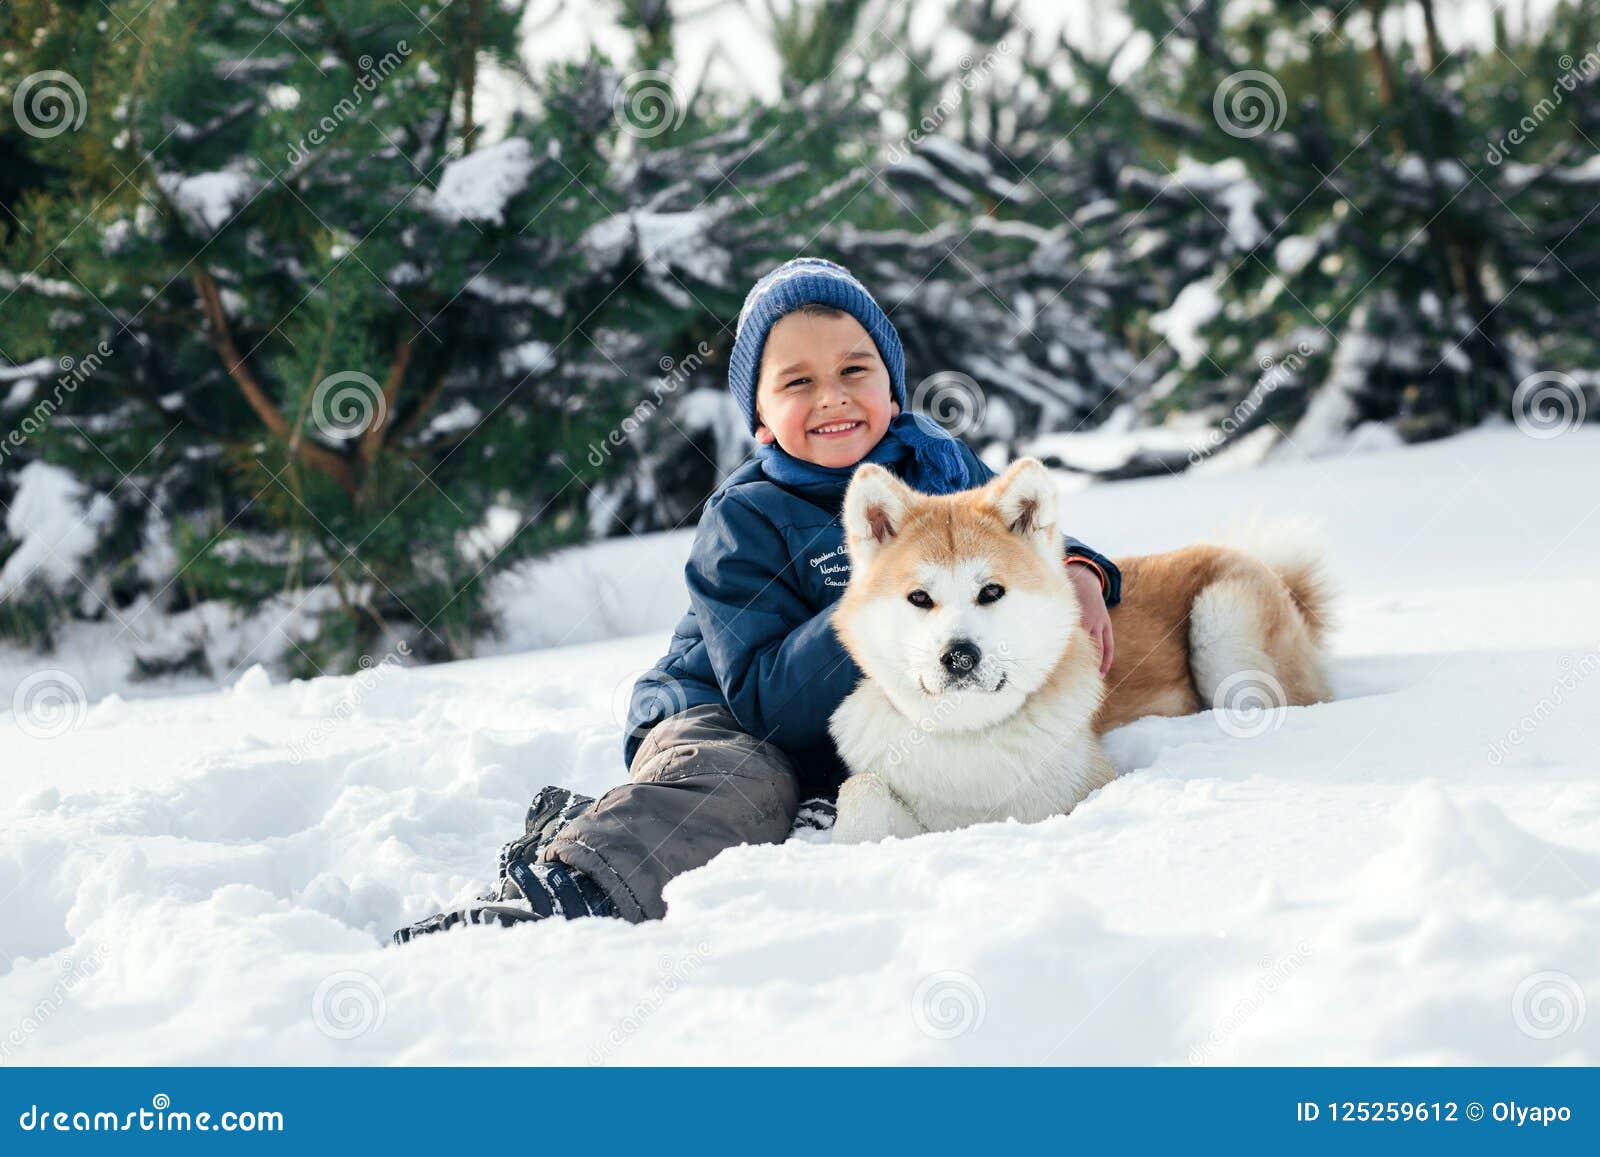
815,815
551,810
543,891
525,889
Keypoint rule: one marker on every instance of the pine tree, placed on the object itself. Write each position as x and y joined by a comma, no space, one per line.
1378,260
360,357
341,329
986,239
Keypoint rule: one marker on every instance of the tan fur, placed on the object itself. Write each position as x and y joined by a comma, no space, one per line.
1309,588
1151,630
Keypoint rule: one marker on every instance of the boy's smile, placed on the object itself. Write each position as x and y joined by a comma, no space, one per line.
823,394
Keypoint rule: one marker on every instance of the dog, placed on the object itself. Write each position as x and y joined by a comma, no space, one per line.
981,697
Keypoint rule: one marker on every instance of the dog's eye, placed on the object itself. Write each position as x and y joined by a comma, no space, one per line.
920,599
991,593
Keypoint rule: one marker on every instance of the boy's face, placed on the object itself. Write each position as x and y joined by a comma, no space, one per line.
823,393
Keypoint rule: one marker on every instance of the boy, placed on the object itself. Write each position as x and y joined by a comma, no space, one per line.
730,732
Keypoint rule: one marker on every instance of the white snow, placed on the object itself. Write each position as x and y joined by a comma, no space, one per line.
526,358
666,242
22,390
480,544
55,524
1294,253
461,416
478,186
1181,322
1118,439
211,198
1367,437
1326,423
974,167
1412,168
493,289
1227,183
901,167
1450,173
25,373
1587,173
714,410
1240,199
607,590
1410,874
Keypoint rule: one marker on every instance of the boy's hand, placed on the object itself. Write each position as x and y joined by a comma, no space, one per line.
1096,619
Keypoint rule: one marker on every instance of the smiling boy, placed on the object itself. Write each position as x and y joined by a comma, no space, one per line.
730,731
823,394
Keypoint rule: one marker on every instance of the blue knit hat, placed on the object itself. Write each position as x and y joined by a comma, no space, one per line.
807,281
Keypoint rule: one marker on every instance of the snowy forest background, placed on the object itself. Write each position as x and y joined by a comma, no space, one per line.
321,319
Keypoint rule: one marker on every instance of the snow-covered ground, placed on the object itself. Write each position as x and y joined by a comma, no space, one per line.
1410,874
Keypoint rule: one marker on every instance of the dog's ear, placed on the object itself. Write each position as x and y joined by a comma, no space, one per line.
875,508
1026,500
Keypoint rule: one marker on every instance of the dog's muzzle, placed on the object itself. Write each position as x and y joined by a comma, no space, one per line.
960,662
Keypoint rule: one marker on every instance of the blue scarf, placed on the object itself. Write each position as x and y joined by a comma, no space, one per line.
916,448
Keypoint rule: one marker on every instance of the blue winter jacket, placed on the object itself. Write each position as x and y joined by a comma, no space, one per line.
767,566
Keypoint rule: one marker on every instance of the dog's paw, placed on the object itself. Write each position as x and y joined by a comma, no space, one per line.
870,811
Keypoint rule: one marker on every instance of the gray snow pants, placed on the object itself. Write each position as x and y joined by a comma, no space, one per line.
698,784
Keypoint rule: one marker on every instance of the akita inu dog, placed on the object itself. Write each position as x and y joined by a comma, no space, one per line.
983,700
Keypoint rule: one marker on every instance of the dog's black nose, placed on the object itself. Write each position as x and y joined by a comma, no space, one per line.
961,658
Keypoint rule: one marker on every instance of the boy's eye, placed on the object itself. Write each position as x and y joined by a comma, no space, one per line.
991,593
920,599
796,382
855,369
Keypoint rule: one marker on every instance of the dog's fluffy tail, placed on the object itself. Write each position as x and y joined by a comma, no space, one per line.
1294,549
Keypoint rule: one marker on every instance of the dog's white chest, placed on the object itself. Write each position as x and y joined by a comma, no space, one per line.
952,779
